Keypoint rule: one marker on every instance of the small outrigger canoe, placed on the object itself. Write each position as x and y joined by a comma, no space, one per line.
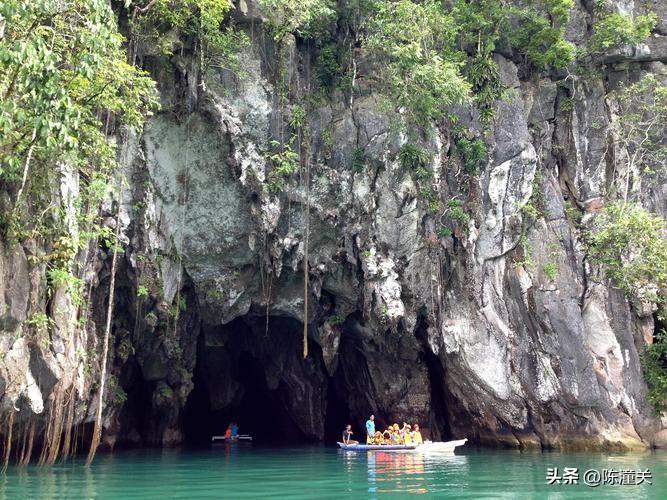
428,446
225,439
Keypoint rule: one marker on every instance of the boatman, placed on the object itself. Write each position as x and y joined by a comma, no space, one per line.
370,429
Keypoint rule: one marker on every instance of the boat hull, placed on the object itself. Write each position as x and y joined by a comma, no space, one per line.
377,447
225,439
430,447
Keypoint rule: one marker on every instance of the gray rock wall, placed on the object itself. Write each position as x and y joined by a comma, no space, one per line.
466,333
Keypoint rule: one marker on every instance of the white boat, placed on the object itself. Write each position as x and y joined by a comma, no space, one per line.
234,439
441,447
427,447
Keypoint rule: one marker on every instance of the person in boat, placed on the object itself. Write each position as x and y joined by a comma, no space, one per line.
416,435
406,433
228,432
370,429
378,438
392,434
235,430
347,435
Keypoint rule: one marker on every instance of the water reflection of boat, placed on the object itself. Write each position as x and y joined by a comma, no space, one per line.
428,447
414,473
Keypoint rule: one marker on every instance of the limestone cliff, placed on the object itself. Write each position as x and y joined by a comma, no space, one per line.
460,329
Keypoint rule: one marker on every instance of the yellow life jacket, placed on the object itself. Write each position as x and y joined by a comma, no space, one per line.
417,437
407,438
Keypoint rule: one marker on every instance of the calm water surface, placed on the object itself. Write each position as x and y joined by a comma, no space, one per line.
241,471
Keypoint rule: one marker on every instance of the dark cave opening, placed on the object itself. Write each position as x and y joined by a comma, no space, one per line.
242,375
441,428
337,416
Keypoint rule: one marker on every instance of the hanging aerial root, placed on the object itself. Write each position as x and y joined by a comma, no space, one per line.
67,442
97,428
27,453
8,441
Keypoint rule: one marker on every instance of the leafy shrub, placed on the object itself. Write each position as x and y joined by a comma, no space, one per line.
285,162
473,153
654,366
327,66
621,29
444,232
457,213
629,244
334,320
550,270
413,157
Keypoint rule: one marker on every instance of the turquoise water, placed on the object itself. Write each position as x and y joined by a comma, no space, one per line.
240,471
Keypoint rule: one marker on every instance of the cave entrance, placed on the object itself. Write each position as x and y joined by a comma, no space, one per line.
257,379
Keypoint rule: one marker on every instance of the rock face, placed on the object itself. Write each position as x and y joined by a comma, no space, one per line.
466,332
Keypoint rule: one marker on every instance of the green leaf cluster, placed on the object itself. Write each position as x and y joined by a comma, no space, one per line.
64,77
419,65
473,153
630,245
203,21
285,161
614,30
306,18
654,366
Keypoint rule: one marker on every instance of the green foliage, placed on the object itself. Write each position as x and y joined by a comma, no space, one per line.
40,325
202,20
540,33
125,348
58,277
215,294
420,67
614,30
358,160
285,162
654,366
572,212
550,270
306,18
118,394
639,129
64,77
567,104
166,392
534,208
629,244
473,153
486,85
335,320
526,247
456,212
412,158
443,232
142,292
178,307
327,66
